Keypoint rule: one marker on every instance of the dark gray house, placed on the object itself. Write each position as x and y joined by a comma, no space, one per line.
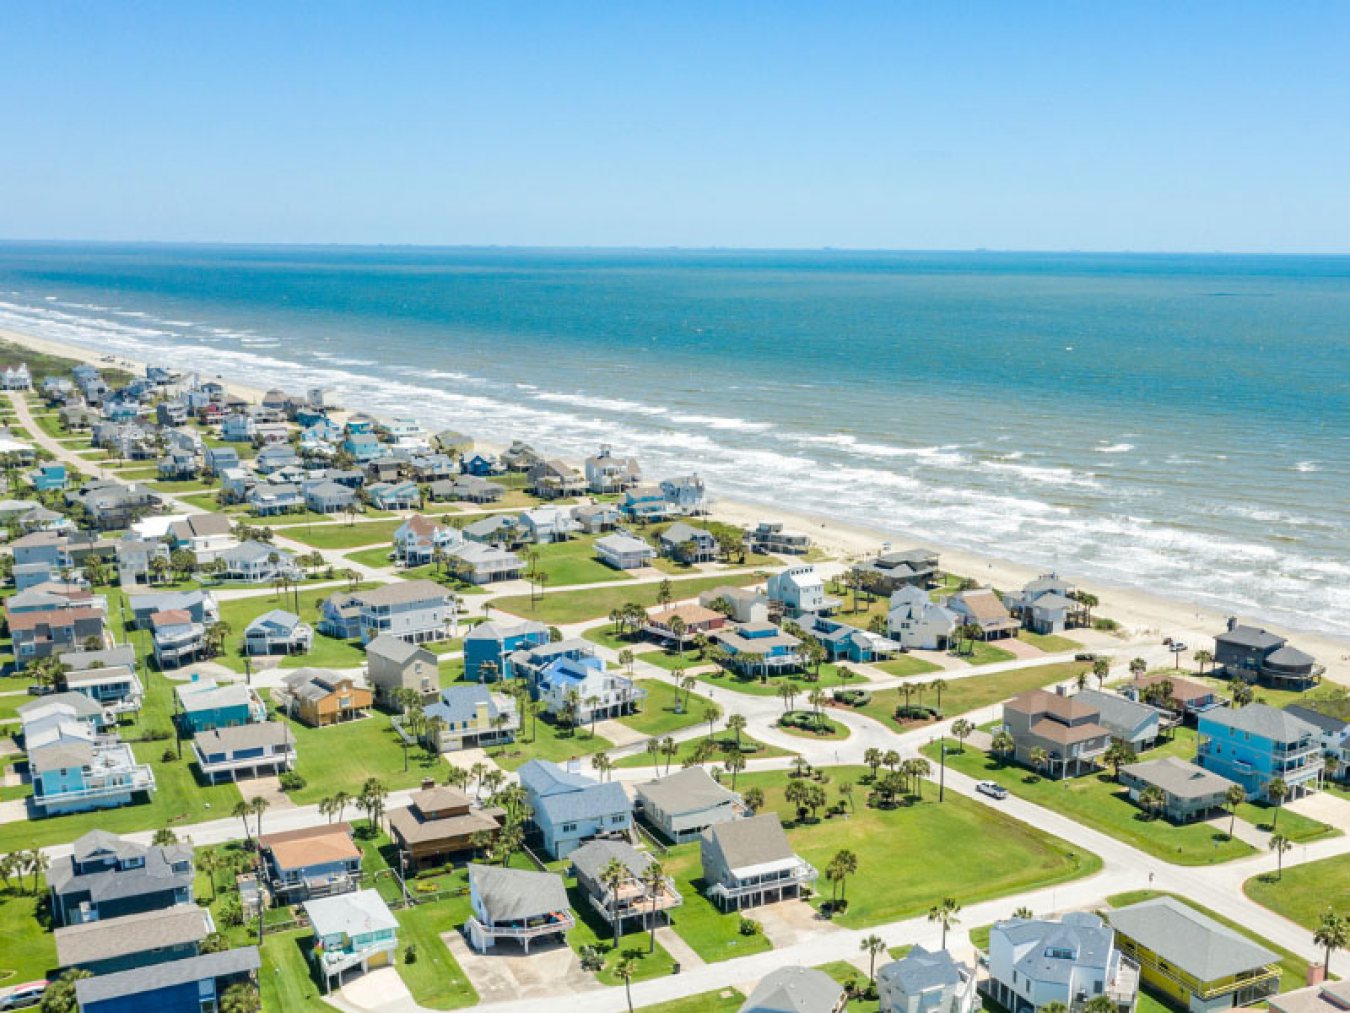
1257,655
107,877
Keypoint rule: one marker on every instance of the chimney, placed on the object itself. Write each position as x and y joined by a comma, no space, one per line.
428,783
1317,973
1232,622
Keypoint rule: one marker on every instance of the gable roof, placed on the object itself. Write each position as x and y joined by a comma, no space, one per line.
591,858
1116,711
351,914
508,894
794,990
110,938
1177,777
1190,940
143,980
1250,636
754,841
403,592
1262,720
686,790
394,649
920,970
297,849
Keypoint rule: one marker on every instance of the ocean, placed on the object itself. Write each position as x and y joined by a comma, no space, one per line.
1175,423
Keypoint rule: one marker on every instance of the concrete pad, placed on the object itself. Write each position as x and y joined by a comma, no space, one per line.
1019,647
1325,807
268,787
14,811
381,989
788,922
506,973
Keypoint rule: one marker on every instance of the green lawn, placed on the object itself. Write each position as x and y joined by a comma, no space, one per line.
829,676
178,798
725,1000
432,572
592,930
1293,969
435,978
1305,892
378,556
824,728
685,751
1050,643
974,691
341,758
542,740
709,932
326,652
574,562
284,978
578,606
29,950
330,532
906,665
659,715
982,652
1298,828
984,853
180,487
1097,801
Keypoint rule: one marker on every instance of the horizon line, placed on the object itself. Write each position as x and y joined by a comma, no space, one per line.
667,248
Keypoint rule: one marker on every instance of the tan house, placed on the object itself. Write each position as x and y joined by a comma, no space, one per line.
1067,729
982,607
439,825
393,663
696,619
320,697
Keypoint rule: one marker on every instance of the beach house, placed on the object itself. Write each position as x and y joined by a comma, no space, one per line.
1245,652
488,647
1064,730
570,808
1033,962
1189,792
176,638
800,589
316,861
918,623
677,624
278,632
772,536
739,604
340,616
644,503
606,473
684,804
1256,744
106,876
252,750
1046,605
685,543
1193,961
134,941
420,540
516,904
481,564
544,525
393,664
201,606
577,688
206,536
926,981
633,898
1129,721
555,478
623,551
758,647
257,563
894,569
1183,697
205,704
419,611
116,688
843,642
78,771
468,716
320,697
324,496
750,861
439,824
982,608
685,495
352,931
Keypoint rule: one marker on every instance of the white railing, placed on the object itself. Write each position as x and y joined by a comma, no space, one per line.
559,921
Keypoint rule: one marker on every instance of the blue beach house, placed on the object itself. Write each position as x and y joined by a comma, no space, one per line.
49,477
206,704
570,808
481,465
759,646
1254,745
646,502
493,644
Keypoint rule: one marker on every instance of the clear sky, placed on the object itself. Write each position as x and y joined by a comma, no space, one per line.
1086,125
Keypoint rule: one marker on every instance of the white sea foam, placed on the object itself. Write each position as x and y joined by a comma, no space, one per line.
1114,448
1044,475
1307,466
719,422
607,404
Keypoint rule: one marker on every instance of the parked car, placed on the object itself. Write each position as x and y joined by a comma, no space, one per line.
40,690
992,788
1085,656
23,996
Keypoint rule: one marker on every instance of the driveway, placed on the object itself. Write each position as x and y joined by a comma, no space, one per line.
505,974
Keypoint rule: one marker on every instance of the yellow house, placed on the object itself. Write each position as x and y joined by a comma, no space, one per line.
320,697
1191,960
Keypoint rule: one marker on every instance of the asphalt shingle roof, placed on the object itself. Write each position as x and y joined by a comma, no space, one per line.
1191,941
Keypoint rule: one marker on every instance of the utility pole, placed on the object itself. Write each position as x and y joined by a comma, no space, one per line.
942,770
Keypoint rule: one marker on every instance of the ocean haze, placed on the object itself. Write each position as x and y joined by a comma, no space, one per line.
1174,422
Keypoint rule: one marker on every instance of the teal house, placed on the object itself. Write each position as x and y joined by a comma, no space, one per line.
205,704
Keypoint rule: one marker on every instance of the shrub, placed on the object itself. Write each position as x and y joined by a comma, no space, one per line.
914,713
853,697
749,927
291,781
156,735
410,954
168,756
1107,625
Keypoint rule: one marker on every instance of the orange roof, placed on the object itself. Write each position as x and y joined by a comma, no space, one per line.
1182,689
296,849
1039,701
171,617
51,617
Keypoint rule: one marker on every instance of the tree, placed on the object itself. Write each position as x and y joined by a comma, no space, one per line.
1280,845
842,865
711,714
208,862
1118,754
735,725
1203,658
1152,800
1138,666
612,876
962,729
164,837
937,686
241,997
945,914
872,757
371,801
1101,668
60,994
214,942
754,799
626,658
653,881
1099,1004
872,946
1277,791
1333,933
1233,798
241,811
259,806
624,969
734,763
1040,759
1023,912
1003,744
1243,693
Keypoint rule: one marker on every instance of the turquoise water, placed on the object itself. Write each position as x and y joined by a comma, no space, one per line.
1180,423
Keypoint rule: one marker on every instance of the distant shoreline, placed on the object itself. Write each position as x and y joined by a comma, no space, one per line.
1138,611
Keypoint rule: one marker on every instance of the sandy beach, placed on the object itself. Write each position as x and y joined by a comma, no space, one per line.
1141,613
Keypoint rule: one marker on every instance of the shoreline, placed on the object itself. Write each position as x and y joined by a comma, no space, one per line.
1139,612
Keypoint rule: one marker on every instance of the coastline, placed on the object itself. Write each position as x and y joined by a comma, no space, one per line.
1140,612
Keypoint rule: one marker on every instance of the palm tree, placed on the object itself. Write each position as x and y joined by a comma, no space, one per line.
1233,798
1117,755
653,880
612,876
872,946
962,729
1099,1004
845,864
754,799
208,861
711,714
1101,668
625,969
1203,658
735,725
669,750
872,757
734,763
1003,744
1138,666
340,802
1152,799
945,915
242,812
937,686
1040,759
241,997
1280,845
1023,912
1243,693
259,806
1277,791
1333,933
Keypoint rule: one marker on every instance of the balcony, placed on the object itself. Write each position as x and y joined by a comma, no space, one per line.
633,901
532,928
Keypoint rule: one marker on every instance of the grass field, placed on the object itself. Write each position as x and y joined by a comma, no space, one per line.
435,978
284,978
1050,643
686,751
574,562
542,740
830,675
905,666
659,715
592,930
984,853
594,603
709,932
1305,892
1293,969
29,951
982,652
326,652
333,533
974,691
724,1000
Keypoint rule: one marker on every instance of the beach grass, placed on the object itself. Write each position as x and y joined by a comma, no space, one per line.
595,603
1303,893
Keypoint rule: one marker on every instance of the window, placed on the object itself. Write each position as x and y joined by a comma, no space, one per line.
569,828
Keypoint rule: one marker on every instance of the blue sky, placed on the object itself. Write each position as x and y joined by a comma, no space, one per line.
1149,126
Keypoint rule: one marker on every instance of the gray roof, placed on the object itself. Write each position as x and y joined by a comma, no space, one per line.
1177,777
1115,711
500,629
685,791
287,621
591,858
1084,935
794,990
110,938
236,737
355,914
1191,941
197,697
509,894
60,755
1289,657
165,601
393,648
82,706
621,543
752,841
1250,636
681,531
316,683
226,963
1303,712
155,876
460,702
1262,720
403,592
920,970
